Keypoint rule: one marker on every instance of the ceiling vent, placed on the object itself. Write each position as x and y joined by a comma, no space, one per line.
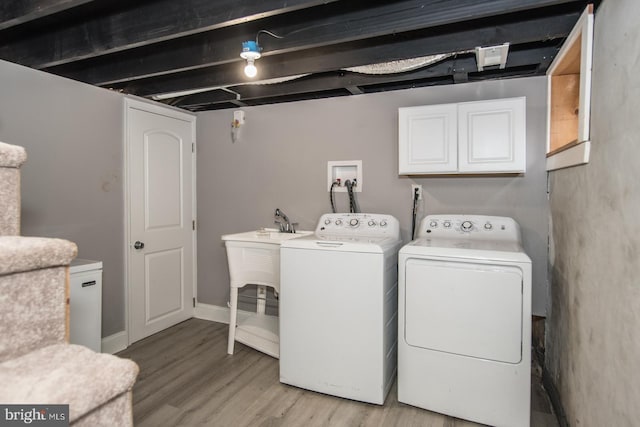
492,55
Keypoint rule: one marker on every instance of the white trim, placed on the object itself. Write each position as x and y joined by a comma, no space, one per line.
127,230
548,135
115,343
194,210
215,313
574,156
158,108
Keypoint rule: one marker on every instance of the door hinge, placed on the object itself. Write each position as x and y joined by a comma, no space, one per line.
194,302
193,224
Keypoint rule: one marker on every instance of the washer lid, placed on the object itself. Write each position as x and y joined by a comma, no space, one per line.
497,250
362,244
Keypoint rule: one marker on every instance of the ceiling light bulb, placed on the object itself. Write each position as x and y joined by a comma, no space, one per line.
250,70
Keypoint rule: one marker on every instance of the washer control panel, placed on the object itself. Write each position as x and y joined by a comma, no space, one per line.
365,224
469,227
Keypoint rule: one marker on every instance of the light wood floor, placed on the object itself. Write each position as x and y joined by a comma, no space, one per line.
187,379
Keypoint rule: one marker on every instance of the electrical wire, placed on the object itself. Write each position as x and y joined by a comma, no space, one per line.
415,212
269,33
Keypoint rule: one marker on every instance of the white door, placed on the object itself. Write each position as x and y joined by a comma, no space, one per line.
161,214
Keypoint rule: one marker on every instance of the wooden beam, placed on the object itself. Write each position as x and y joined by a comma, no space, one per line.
355,54
335,25
144,24
16,12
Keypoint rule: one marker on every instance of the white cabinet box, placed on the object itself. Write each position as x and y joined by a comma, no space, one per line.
85,303
465,138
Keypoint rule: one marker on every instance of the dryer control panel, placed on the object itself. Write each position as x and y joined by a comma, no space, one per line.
470,227
358,224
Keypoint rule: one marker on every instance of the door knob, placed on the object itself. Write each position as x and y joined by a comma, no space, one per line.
138,245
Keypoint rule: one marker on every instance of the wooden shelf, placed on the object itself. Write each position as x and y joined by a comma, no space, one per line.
569,97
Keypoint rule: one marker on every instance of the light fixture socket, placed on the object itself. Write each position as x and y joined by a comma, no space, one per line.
250,50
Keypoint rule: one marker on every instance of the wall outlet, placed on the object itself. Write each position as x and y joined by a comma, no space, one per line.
413,189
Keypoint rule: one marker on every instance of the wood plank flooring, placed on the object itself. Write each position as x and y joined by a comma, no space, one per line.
188,379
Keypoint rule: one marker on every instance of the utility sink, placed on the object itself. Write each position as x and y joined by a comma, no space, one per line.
254,259
266,235
254,256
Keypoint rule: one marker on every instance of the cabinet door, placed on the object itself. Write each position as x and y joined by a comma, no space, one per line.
492,136
427,139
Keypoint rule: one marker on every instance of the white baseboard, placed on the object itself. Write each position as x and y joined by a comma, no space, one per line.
115,343
211,312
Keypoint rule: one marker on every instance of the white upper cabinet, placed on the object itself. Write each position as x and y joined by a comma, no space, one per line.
465,138
428,139
491,136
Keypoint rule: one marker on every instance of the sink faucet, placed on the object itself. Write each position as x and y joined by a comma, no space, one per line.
282,220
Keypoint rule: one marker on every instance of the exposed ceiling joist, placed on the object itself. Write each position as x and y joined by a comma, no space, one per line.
330,25
17,12
346,80
319,60
188,51
142,25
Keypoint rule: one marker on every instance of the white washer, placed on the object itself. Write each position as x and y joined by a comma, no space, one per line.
338,307
464,309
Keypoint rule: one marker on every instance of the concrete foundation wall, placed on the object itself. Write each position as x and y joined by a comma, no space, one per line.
593,346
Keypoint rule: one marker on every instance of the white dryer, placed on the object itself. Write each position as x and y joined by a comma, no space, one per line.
338,307
464,307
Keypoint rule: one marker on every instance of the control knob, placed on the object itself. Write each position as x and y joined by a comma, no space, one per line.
338,222
466,225
433,224
383,223
488,226
353,222
327,221
447,224
371,223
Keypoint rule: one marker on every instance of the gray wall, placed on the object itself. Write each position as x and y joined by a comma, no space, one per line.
71,183
593,347
281,159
